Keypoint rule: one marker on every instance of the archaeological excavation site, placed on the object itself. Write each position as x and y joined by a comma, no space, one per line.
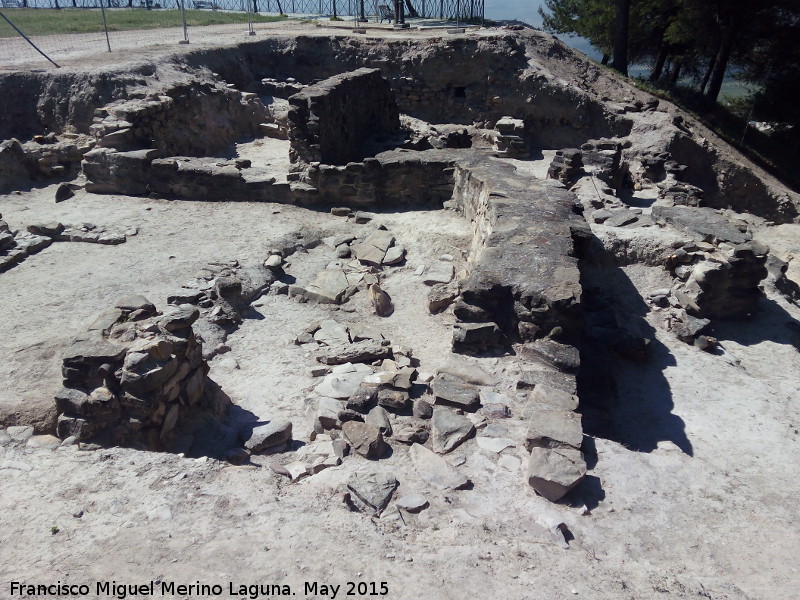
465,315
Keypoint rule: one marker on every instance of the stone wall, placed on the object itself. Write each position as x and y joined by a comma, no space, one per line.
132,375
394,178
523,275
330,122
523,286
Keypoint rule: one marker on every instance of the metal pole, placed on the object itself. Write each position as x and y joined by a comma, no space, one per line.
185,28
27,39
250,30
105,25
458,14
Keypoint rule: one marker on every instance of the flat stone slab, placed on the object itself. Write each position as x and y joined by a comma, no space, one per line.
436,470
449,430
454,391
328,287
440,272
374,491
413,503
554,428
496,445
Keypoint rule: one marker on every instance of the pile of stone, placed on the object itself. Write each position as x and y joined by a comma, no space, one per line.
134,376
43,157
16,246
566,165
510,139
358,264
85,232
602,159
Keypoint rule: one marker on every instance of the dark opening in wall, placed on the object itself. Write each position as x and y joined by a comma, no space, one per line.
459,92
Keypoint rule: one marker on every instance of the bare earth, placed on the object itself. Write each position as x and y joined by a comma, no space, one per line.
695,499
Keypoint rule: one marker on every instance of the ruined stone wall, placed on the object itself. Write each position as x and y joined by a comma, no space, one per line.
329,122
394,178
523,275
129,377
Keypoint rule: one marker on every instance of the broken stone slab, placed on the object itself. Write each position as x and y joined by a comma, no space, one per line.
553,472
328,413
449,430
181,317
266,436
362,331
134,303
413,503
394,255
545,395
373,491
469,335
440,272
331,333
435,470
411,433
366,439
621,218
495,444
453,391
365,351
554,429
50,229
363,398
372,251
20,433
560,356
329,287
341,385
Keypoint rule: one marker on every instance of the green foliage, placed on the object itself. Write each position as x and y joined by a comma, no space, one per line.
43,21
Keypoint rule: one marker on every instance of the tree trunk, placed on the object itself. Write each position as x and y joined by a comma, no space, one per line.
675,71
721,61
605,59
255,6
707,75
661,59
620,61
412,12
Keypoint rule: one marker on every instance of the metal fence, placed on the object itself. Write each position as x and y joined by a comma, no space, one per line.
436,9
81,28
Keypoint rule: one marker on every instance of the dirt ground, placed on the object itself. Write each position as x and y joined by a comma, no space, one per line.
697,502
691,495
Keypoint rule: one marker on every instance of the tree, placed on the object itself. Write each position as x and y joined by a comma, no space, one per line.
621,22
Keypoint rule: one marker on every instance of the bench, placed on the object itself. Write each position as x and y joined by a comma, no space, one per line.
384,12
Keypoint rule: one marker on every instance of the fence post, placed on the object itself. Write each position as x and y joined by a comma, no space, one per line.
105,24
27,39
185,39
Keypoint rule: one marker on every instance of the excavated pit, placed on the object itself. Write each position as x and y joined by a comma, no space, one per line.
379,265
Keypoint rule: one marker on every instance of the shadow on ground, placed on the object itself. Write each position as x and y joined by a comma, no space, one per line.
624,394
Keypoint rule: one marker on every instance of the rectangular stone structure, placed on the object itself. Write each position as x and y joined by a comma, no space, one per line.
330,121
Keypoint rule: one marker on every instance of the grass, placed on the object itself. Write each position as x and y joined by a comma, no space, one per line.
45,21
